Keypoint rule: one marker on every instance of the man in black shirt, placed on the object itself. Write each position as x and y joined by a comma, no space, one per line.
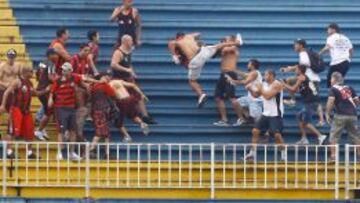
345,101
310,95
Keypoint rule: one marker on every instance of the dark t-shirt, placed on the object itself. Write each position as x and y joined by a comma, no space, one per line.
308,91
344,103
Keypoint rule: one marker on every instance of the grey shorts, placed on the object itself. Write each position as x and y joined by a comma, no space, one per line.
66,119
341,123
197,63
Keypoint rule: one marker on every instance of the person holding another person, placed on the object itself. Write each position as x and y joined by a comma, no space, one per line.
341,51
271,92
253,104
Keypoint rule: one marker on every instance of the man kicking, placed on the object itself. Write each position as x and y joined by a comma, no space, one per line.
271,120
225,90
253,104
189,51
311,99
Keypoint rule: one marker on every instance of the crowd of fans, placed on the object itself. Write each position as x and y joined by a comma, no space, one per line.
72,90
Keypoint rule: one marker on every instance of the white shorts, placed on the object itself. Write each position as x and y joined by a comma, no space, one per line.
255,106
198,62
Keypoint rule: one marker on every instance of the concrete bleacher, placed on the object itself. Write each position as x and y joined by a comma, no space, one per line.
268,31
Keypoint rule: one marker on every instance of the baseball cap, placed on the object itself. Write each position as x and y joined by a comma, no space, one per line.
11,53
67,67
301,42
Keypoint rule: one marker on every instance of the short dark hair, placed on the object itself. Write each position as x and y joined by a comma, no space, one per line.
302,68
83,45
180,34
302,42
61,31
334,26
271,71
255,63
91,34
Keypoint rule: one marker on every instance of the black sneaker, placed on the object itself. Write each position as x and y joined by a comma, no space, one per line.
149,120
33,156
10,156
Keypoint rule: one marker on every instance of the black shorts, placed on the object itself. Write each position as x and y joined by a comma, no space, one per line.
224,90
65,119
271,124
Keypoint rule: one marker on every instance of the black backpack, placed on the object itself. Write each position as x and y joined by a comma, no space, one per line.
316,61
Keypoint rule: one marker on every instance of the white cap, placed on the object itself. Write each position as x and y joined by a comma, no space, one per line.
67,67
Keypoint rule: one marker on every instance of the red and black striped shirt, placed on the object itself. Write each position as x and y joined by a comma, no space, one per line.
64,91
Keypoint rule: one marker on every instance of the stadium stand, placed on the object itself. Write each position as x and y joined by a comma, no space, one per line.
268,30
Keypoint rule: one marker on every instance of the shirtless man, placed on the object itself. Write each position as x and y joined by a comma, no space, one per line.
186,49
127,106
58,44
9,71
224,90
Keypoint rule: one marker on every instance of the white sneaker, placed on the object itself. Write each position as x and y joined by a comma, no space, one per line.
202,100
239,122
321,139
45,135
59,156
239,38
145,128
221,123
75,157
39,135
250,157
127,139
283,155
303,141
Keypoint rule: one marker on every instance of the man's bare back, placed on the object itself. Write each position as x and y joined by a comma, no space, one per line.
119,88
230,57
188,46
9,73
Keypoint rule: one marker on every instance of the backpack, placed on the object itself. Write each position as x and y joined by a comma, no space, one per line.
316,61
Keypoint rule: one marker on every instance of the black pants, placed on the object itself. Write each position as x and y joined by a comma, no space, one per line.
342,68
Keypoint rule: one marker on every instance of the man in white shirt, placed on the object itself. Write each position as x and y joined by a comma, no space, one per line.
341,50
304,59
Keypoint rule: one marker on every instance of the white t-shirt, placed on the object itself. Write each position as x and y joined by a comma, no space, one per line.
305,60
273,107
340,46
253,84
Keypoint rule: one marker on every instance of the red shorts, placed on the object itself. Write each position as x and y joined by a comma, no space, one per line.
8,102
127,108
101,120
22,125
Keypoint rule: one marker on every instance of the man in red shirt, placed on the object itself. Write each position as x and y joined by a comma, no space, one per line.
82,66
59,45
21,123
62,97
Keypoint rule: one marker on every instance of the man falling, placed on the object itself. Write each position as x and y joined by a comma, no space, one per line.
186,49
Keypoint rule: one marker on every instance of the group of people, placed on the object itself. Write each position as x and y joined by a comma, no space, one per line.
264,104
72,90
